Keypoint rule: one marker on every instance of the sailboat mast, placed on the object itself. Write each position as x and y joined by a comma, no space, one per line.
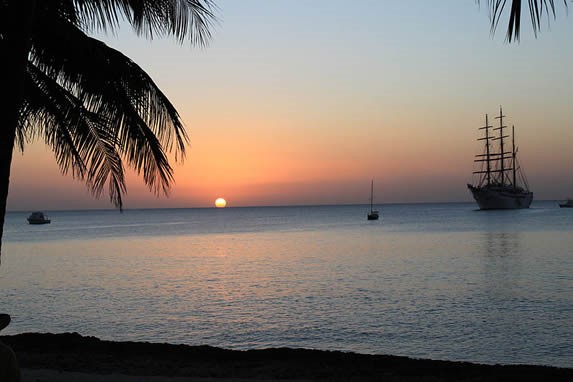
371,194
513,164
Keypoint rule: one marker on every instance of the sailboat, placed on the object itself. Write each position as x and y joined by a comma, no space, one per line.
502,184
373,214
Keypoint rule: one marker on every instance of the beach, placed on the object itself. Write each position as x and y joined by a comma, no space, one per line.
67,357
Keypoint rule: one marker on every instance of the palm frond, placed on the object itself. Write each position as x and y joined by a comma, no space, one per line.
537,10
183,19
81,140
46,112
94,71
102,92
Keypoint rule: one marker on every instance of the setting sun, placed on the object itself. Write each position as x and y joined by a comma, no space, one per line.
220,203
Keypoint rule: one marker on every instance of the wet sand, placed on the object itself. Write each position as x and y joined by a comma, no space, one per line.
72,357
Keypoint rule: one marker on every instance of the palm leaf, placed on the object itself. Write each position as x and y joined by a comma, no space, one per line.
537,10
179,18
47,112
82,141
106,83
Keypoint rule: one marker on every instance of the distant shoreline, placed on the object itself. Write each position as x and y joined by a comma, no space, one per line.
71,352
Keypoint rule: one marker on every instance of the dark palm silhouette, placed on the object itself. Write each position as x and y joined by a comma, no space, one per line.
96,109
538,9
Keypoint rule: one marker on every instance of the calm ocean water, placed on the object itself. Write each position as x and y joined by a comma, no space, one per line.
440,281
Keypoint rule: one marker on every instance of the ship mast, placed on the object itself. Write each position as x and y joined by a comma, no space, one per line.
501,153
488,155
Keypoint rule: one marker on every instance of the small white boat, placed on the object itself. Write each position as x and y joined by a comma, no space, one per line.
38,218
567,204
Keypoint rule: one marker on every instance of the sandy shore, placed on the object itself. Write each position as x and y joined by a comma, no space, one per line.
72,357
45,375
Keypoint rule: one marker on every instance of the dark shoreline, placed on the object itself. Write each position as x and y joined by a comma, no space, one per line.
73,352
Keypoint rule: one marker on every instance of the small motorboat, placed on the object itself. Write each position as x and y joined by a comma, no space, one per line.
38,218
567,204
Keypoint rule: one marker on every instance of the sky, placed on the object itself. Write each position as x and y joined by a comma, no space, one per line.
297,102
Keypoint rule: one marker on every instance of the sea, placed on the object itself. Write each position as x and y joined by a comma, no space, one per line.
437,281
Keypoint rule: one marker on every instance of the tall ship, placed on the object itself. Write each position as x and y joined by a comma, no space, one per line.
501,183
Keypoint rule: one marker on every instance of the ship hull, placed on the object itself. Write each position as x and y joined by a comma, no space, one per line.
489,198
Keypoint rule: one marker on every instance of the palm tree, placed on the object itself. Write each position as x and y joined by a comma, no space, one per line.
537,10
92,105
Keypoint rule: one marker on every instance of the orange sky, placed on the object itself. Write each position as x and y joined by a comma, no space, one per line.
287,108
